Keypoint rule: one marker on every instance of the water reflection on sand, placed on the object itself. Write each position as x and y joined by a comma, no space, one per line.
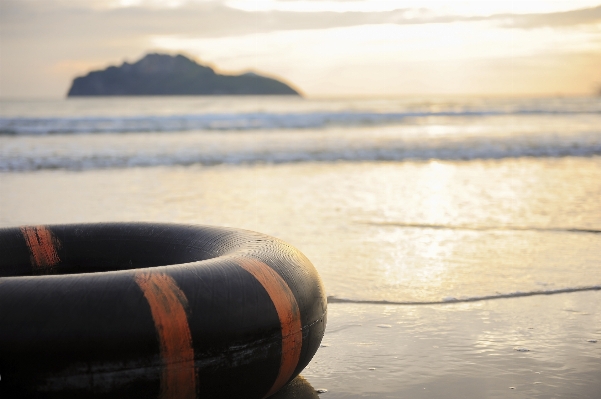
422,231
539,346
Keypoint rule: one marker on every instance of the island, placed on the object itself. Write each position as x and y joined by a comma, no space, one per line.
163,74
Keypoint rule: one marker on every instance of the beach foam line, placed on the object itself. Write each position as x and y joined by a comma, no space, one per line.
451,300
482,228
23,156
246,121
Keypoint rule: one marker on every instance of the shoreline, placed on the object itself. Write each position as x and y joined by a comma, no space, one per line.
533,347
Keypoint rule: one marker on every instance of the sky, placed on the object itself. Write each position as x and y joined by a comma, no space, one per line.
323,48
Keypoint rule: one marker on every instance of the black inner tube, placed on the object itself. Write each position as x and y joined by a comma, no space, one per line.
154,310
111,247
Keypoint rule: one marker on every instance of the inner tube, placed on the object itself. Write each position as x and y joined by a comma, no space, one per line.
145,310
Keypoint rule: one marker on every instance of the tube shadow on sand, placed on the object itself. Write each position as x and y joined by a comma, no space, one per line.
298,388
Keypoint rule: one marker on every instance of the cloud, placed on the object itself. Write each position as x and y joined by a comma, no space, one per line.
557,19
46,43
68,20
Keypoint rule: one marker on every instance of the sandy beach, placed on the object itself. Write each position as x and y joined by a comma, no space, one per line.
537,347
493,261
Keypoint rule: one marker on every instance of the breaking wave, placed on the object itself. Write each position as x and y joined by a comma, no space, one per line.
162,150
242,121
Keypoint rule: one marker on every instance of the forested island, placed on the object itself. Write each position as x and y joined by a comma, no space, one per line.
163,74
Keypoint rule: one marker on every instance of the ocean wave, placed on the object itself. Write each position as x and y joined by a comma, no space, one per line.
75,158
451,300
481,228
242,121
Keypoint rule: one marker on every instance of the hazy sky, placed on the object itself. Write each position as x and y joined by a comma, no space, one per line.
334,48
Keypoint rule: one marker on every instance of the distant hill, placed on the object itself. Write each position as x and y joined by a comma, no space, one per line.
162,74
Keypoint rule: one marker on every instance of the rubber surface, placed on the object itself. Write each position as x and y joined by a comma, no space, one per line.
153,310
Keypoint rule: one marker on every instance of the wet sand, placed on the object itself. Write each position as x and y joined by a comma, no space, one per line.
535,347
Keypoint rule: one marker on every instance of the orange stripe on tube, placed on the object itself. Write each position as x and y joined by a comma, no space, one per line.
168,307
42,245
288,313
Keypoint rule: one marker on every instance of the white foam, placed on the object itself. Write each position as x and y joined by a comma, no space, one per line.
250,120
121,151
516,294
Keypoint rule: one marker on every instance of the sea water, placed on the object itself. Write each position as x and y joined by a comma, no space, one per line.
412,199
441,203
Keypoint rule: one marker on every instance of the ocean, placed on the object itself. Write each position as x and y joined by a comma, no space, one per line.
93,133
425,217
